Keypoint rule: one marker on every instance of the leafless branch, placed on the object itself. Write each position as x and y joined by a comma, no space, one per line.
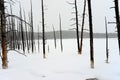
73,24
70,3
72,29
86,29
16,51
8,15
72,19
112,7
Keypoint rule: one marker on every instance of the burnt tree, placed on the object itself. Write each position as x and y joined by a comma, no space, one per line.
117,21
61,44
54,35
3,35
22,32
43,29
82,28
76,22
91,34
107,50
32,31
77,26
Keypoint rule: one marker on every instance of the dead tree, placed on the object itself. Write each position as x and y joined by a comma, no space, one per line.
3,35
29,31
76,22
54,35
61,44
107,50
22,32
32,31
77,26
13,28
3,27
82,28
43,28
91,34
27,43
9,35
117,21
38,39
18,37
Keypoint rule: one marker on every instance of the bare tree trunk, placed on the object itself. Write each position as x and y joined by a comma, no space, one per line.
117,21
91,34
19,35
3,35
13,28
83,19
22,32
77,28
54,36
43,29
10,36
29,33
61,44
8,33
76,23
32,34
107,53
38,39
26,32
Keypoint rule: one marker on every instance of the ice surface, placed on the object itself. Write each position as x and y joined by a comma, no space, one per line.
66,65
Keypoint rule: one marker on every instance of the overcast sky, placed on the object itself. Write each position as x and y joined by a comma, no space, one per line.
100,9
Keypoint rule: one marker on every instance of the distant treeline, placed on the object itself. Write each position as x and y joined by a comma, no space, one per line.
67,35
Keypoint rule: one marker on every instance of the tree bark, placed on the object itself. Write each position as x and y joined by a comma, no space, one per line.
3,35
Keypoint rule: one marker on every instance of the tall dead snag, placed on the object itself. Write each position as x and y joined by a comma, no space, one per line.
13,28
54,34
91,34
61,44
77,28
117,21
20,38
82,28
107,50
27,43
9,35
3,35
22,32
32,33
38,39
43,29
76,22
29,33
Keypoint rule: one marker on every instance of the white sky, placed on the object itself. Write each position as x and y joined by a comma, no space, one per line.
100,9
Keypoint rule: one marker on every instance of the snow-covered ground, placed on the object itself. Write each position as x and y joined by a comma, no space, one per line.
66,65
